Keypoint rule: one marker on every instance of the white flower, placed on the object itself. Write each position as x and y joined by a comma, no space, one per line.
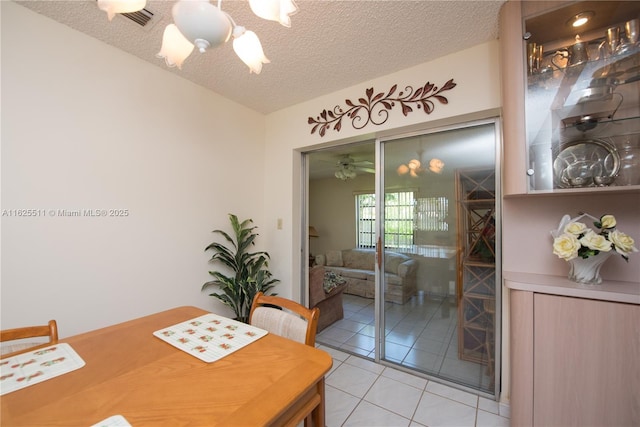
575,228
594,241
574,239
622,242
566,246
608,221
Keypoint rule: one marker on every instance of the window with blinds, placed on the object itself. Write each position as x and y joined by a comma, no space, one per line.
398,219
431,214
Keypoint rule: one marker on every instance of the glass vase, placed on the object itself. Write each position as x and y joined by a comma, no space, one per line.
629,164
587,270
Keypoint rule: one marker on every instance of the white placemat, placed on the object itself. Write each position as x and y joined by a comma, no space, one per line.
113,421
23,370
210,337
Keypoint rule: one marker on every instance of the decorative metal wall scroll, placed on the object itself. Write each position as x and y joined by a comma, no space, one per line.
375,108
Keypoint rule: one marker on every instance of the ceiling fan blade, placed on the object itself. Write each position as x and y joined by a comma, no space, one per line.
363,163
368,170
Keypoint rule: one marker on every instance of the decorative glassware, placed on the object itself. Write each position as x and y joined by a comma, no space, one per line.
629,164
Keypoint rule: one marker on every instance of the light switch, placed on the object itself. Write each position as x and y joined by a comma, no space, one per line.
279,224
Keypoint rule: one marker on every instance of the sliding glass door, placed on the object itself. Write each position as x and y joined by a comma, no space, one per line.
408,226
438,274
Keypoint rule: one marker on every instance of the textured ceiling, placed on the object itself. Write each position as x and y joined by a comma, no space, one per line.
331,45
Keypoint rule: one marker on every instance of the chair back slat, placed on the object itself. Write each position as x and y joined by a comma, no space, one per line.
294,321
49,331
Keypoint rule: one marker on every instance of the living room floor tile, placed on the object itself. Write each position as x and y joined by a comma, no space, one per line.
367,318
349,325
423,360
362,341
359,352
404,338
396,352
335,334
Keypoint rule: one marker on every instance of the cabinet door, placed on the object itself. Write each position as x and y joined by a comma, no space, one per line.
586,362
512,70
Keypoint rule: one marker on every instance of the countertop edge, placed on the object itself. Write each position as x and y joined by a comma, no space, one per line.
614,291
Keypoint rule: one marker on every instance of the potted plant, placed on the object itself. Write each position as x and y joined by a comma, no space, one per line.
248,271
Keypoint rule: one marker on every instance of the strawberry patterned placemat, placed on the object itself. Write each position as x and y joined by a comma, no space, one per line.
210,337
23,370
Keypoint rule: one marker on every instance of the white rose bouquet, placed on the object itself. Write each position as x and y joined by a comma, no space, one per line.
574,239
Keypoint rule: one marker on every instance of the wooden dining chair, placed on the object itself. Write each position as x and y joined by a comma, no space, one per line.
289,319
49,331
285,317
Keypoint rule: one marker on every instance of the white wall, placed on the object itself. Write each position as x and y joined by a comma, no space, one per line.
332,211
86,126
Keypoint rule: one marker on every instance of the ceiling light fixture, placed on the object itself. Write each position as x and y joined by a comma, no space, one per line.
345,171
198,23
120,6
580,19
415,169
347,166
436,165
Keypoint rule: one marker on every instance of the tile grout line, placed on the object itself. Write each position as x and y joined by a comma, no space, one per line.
423,392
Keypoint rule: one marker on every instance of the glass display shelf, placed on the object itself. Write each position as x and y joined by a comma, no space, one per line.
582,99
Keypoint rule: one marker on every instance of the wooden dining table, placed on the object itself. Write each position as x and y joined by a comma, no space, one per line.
129,372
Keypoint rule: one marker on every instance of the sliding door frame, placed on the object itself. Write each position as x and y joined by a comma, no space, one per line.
478,119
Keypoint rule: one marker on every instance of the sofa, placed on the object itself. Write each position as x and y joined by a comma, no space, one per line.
325,293
356,266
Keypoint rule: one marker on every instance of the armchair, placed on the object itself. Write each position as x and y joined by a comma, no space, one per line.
330,304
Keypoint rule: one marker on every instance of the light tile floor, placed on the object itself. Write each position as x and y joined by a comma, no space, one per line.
421,334
360,392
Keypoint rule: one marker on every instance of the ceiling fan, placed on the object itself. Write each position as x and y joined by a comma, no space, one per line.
347,166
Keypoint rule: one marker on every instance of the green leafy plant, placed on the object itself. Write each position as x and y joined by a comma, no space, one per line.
247,272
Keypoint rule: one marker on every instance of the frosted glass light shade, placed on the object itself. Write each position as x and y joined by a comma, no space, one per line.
414,164
201,23
274,10
247,46
120,6
175,47
436,165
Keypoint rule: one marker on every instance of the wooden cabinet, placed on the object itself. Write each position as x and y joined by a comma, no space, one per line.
575,361
573,353
571,113
476,282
